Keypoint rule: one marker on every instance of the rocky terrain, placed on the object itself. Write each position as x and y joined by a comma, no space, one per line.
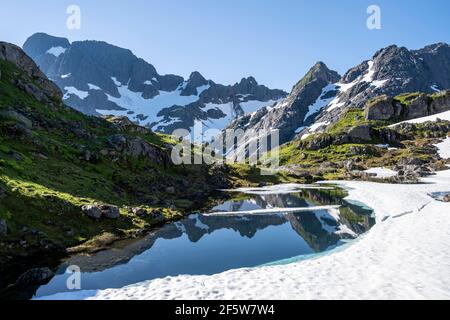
101,79
75,183
379,135
297,110
321,98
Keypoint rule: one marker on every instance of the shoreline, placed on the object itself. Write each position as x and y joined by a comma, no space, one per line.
401,257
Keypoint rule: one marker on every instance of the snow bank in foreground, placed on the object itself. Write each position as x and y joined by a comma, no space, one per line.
382,173
406,255
444,148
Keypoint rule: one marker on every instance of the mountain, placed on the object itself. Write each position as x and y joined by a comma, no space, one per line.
392,71
321,98
296,110
98,78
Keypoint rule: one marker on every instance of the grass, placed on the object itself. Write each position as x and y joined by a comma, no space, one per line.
407,98
47,180
351,118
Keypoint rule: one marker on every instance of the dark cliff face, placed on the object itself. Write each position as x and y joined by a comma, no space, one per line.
95,75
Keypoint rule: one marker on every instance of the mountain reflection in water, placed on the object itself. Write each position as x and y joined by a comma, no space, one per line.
208,243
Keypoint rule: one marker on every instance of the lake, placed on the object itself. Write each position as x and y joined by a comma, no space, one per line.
255,227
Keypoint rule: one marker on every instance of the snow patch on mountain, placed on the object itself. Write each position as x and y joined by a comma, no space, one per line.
134,102
222,123
93,87
322,101
74,91
252,106
345,87
435,88
56,51
116,82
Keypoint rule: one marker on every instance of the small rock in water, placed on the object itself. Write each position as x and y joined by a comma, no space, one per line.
35,277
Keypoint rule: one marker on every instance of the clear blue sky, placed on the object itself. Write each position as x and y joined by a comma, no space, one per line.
276,41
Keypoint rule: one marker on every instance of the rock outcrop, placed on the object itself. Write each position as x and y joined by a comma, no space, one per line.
98,211
136,147
15,55
35,277
414,106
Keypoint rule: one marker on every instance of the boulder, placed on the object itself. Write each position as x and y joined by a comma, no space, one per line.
319,142
361,150
380,108
32,90
109,211
35,277
389,136
137,147
361,133
157,215
3,228
140,212
10,114
92,211
418,107
440,102
124,124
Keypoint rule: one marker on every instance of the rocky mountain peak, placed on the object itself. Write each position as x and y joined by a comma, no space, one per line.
299,108
247,84
195,81
40,43
197,78
318,72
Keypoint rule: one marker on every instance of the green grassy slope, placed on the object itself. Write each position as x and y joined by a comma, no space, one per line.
46,176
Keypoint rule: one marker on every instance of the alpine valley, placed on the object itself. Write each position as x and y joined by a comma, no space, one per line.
85,162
